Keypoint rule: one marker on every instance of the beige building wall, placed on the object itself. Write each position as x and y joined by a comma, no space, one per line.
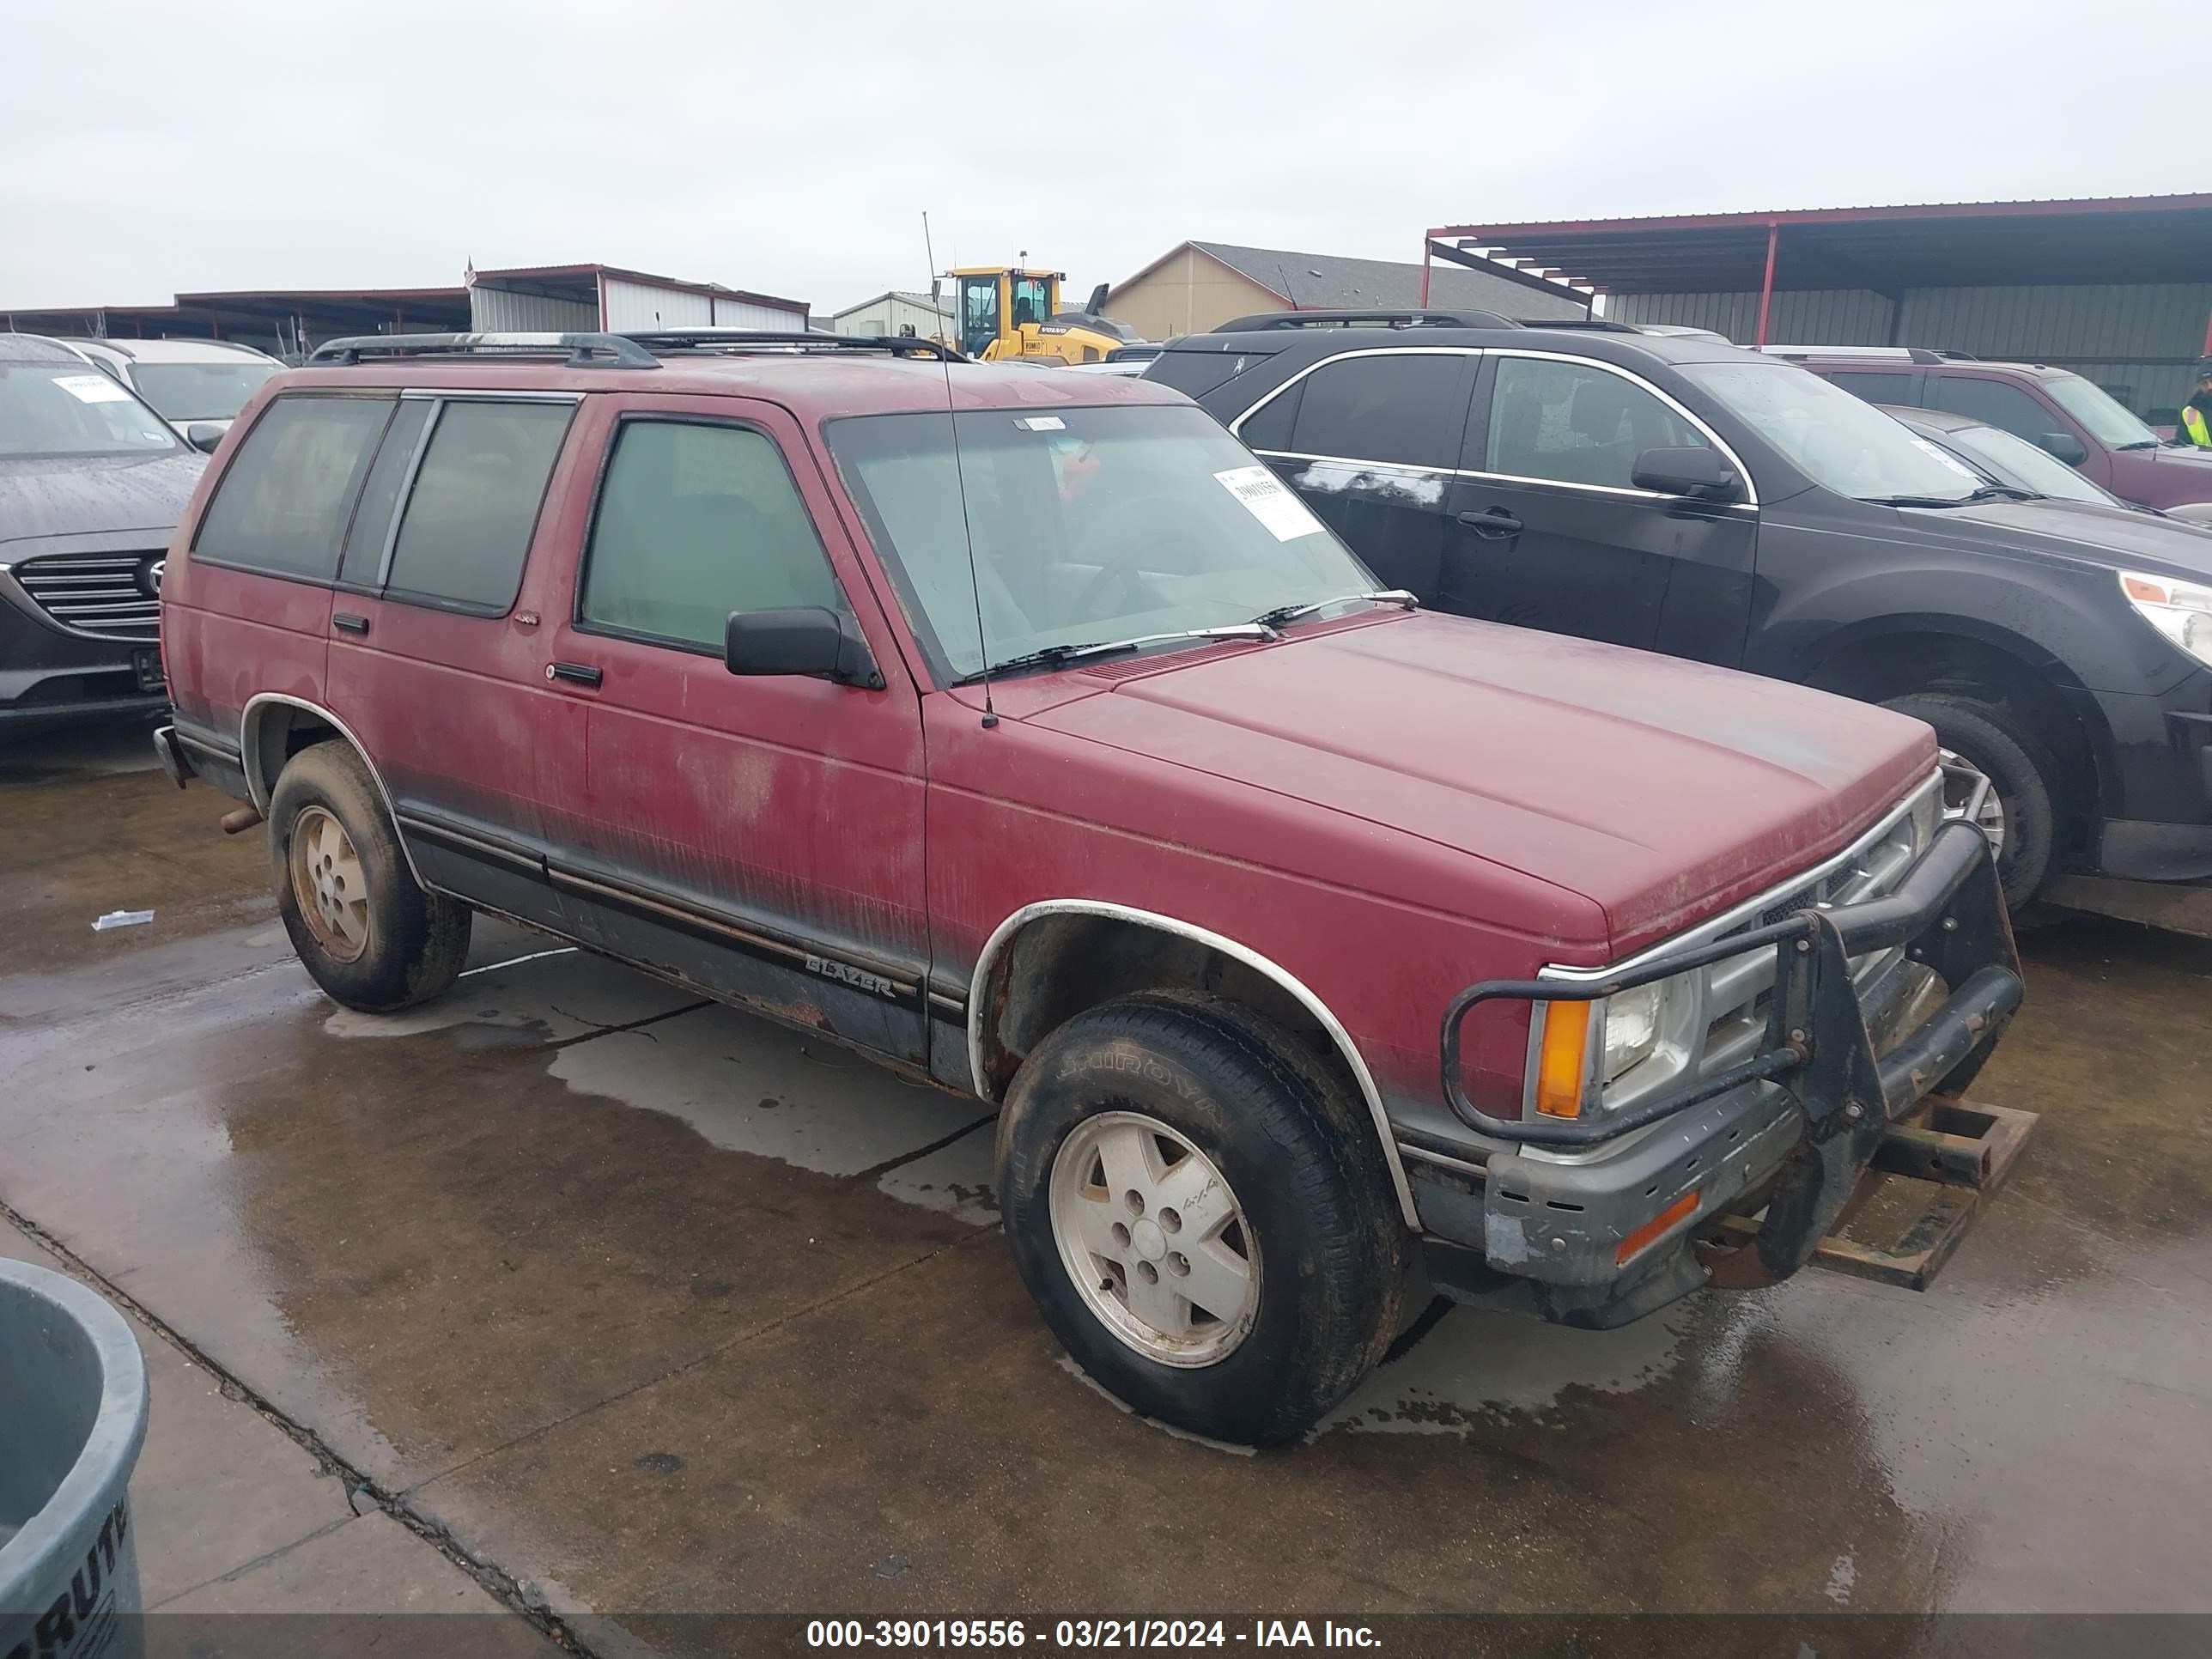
1187,293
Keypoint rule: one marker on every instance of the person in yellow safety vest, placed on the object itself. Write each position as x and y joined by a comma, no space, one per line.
2194,425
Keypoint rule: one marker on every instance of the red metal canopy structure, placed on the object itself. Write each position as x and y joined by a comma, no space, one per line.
1887,250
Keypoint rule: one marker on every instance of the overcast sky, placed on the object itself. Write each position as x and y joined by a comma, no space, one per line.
791,149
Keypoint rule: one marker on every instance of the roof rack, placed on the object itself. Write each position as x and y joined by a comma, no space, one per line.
1585,325
1885,354
615,350
1287,319
728,339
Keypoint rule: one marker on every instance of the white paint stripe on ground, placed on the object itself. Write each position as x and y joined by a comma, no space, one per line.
558,950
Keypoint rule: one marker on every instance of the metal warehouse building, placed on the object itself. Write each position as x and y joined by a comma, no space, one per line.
2118,289
540,297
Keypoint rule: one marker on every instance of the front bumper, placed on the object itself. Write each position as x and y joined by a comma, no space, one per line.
50,674
1571,1208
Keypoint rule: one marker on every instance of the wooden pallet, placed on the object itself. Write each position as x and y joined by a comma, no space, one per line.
1918,1197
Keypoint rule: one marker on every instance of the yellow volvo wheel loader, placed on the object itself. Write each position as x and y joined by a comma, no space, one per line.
1008,315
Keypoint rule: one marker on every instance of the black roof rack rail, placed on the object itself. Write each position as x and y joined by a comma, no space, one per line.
587,350
628,349
709,340
1287,319
1587,325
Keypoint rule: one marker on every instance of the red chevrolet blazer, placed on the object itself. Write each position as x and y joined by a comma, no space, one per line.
1021,730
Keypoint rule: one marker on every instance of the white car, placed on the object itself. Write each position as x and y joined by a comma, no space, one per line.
202,383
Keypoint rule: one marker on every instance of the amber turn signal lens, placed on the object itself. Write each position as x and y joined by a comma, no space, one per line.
1560,1063
1636,1242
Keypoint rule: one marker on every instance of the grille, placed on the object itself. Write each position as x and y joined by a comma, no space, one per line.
1717,1018
102,593
1739,991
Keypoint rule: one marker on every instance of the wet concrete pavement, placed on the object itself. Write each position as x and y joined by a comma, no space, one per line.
659,1309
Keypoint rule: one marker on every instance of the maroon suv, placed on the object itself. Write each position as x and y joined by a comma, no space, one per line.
1021,731
2054,409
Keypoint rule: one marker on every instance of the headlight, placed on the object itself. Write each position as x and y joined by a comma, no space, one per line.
1584,1048
1632,1029
2180,611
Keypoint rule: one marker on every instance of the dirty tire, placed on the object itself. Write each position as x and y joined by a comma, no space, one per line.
1300,1159
417,940
1992,739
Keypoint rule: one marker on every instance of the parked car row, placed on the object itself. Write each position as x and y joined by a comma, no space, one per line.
1676,494
1301,933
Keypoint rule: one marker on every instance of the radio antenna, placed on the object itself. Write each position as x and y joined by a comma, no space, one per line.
960,476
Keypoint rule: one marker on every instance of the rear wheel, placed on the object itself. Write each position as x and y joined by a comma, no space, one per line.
1998,776
1202,1216
365,930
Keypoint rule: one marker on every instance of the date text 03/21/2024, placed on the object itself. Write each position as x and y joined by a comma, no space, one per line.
1074,1634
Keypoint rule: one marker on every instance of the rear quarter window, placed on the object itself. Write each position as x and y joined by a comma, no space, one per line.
285,497
1194,374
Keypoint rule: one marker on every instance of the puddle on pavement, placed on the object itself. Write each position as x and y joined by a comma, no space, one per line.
1475,1363
746,1085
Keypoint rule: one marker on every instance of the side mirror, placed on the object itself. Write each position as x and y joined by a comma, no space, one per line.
808,639
1700,473
2065,446
204,435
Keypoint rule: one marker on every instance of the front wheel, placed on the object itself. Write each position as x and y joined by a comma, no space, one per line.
364,929
1203,1219
1996,774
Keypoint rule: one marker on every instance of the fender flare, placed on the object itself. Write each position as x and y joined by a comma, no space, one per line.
249,756
1003,935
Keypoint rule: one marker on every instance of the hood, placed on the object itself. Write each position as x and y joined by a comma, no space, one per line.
2165,476
87,494
2088,532
1659,789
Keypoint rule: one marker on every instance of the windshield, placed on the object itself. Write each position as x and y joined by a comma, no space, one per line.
200,392
2108,420
59,409
1835,439
2015,460
1087,525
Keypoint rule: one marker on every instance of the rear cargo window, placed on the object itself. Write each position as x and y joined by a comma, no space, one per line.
695,522
469,520
1194,374
284,499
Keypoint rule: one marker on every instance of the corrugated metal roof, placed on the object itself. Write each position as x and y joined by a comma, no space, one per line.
2117,239
1320,281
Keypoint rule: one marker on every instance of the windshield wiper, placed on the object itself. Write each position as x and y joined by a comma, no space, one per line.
1986,493
1283,613
1053,655
2146,443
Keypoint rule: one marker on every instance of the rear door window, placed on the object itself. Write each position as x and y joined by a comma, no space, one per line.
470,517
284,500
363,560
1570,422
1385,406
696,521
2005,407
1877,386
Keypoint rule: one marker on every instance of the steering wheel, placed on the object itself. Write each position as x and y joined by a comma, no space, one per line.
1119,581
1115,591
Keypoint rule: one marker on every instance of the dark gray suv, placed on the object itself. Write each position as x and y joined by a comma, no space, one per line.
91,483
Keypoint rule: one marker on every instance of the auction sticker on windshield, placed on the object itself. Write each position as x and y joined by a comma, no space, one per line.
92,388
1265,498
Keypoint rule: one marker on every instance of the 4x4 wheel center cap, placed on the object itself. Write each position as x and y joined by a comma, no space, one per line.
1147,1239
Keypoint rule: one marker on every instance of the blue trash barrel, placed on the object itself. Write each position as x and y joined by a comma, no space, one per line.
72,1417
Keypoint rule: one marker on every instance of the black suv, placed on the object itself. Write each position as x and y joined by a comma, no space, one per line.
1682,496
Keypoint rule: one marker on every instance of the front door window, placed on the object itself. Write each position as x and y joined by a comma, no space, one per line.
979,313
